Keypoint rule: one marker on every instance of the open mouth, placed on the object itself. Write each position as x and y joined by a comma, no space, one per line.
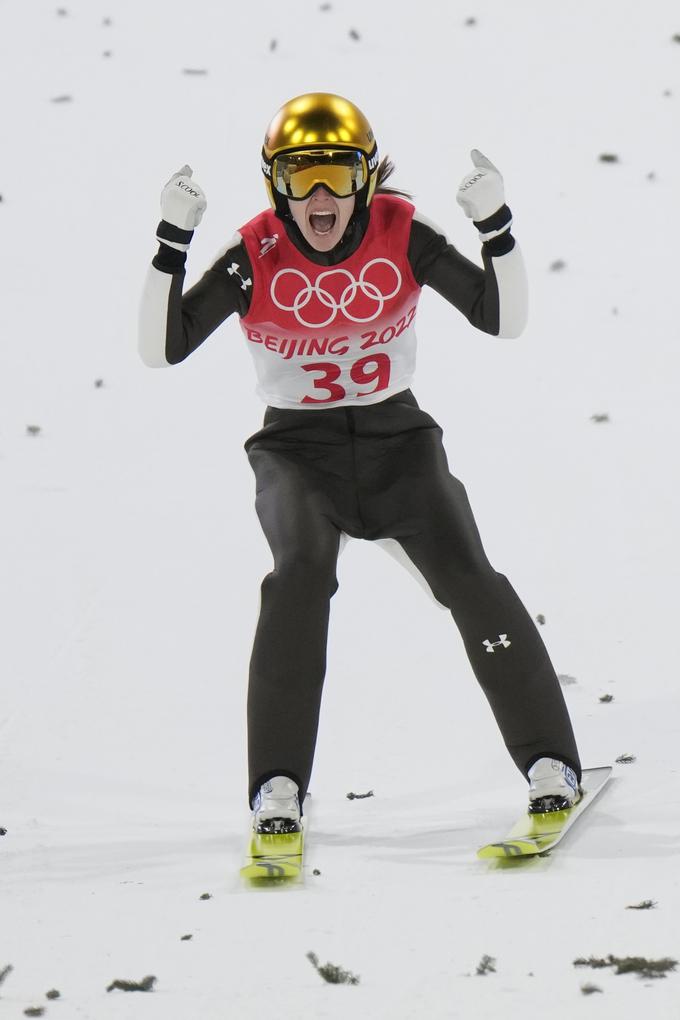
322,222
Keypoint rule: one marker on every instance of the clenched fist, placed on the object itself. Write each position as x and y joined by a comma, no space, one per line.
182,206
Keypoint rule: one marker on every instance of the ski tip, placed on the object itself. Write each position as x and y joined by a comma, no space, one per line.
270,871
273,858
510,849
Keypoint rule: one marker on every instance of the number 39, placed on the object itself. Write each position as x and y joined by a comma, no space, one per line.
375,368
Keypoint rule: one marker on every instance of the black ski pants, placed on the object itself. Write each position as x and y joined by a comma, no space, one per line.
379,471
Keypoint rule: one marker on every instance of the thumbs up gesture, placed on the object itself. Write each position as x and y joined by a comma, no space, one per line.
182,200
182,206
481,193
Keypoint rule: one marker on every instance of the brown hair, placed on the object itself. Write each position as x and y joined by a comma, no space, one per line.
385,170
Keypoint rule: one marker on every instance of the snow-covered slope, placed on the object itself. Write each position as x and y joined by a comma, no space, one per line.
132,557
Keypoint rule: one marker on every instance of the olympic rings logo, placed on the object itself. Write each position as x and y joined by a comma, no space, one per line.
308,290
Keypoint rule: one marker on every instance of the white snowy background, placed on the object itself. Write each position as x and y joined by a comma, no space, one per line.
131,556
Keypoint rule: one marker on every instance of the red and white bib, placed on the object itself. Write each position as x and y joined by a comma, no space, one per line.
329,336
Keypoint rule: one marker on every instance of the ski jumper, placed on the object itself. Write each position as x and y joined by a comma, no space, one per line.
346,449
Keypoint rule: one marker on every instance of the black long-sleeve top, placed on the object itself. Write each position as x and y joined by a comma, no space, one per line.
493,298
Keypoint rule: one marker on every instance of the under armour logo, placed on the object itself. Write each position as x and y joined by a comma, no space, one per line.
267,244
233,270
501,643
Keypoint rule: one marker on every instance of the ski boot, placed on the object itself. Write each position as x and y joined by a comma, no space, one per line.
552,786
276,808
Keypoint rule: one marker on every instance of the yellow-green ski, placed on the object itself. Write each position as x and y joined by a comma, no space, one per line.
534,834
274,858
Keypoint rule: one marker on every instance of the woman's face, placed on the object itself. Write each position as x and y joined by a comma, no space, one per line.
322,218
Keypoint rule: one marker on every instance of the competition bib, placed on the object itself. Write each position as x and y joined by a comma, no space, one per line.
326,336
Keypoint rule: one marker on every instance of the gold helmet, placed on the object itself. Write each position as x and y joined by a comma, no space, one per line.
319,139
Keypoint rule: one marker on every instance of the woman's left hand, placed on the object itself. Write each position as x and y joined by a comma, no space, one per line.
481,191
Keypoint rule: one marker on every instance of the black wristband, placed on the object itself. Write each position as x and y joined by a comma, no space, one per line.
169,260
501,244
169,232
497,221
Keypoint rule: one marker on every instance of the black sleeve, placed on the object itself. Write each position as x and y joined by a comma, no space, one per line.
472,290
191,317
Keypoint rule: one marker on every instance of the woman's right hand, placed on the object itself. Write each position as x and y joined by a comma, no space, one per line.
182,200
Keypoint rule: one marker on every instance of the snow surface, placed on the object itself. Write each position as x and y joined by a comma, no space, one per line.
132,556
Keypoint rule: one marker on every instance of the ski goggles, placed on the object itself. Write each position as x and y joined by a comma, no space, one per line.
342,171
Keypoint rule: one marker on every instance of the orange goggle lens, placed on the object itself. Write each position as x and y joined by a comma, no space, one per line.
342,171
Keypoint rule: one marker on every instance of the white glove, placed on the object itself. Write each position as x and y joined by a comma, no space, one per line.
481,192
182,206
